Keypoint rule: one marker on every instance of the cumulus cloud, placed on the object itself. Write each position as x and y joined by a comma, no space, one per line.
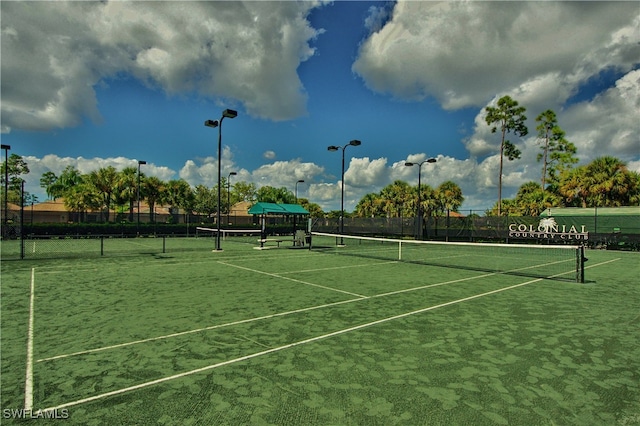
463,53
243,52
53,163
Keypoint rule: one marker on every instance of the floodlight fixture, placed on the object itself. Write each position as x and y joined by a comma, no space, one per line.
229,113
211,123
409,164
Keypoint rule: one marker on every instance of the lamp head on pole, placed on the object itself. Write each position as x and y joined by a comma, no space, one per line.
7,147
355,142
333,148
300,181
409,164
140,162
211,123
233,174
431,160
229,113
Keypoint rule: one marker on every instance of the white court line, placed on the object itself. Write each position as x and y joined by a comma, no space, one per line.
248,320
293,279
280,348
363,265
296,311
28,383
301,342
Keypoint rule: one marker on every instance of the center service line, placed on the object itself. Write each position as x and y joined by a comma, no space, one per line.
280,348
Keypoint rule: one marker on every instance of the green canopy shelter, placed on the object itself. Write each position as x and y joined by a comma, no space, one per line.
276,209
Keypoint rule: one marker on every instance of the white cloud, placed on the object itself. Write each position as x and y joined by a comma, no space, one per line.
53,163
463,53
244,52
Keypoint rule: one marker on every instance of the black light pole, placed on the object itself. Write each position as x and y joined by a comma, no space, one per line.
408,163
6,186
229,194
299,181
294,216
140,162
227,113
354,142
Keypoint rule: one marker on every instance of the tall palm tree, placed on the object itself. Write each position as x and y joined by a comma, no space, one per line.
574,187
609,182
449,196
179,195
532,200
81,197
127,188
368,206
154,191
104,180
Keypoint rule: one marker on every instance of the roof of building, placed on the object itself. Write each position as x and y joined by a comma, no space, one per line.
281,209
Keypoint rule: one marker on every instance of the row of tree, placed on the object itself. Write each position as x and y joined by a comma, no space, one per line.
605,182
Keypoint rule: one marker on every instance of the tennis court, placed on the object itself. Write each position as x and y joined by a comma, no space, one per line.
294,337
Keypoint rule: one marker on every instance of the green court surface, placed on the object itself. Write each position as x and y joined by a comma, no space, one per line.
297,337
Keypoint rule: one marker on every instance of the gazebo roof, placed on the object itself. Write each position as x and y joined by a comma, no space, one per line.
277,209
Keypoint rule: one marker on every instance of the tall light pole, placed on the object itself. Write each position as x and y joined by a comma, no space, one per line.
299,181
227,113
354,142
294,216
140,162
6,186
409,164
229,194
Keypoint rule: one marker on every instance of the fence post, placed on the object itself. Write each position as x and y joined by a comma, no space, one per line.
164,238
101,245
21,220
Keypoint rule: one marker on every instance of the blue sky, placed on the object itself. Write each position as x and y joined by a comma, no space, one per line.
93,84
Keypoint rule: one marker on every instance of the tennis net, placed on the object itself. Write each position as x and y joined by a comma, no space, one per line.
563,262
247,236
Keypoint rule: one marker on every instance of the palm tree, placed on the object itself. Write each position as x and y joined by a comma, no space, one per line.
127,188
81,197
368,206
395,199
574,187
449,196
153,190
532,200
179,195
609,182
104,180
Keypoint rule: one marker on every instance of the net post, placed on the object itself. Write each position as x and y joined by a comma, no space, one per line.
101,245
399,250
580,264
164,244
